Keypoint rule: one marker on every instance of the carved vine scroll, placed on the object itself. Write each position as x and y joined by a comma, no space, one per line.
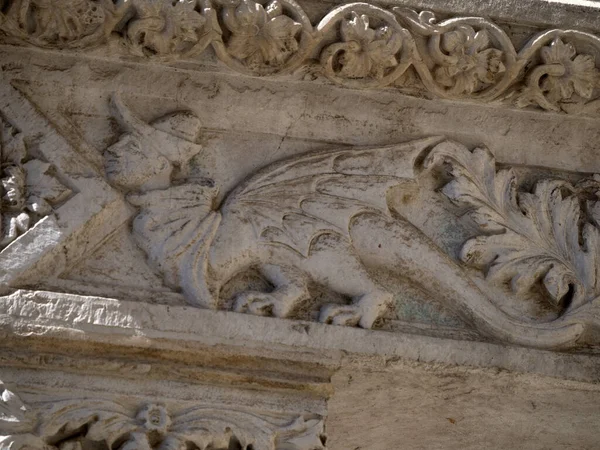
67,424
357,45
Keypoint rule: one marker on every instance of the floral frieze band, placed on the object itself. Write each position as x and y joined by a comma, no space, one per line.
67,424
357,45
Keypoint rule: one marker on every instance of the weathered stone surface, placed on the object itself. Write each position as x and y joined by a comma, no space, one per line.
408,193
442,408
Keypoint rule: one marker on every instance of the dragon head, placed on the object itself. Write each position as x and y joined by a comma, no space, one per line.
151,156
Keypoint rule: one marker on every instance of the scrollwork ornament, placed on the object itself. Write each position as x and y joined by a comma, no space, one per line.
357,45
373,49
564,76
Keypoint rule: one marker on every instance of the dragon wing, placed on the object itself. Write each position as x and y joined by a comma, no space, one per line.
292,202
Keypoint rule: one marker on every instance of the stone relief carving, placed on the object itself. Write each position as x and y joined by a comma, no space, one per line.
542,243
290,222
67,424
356,45
260,37
311,229
29,188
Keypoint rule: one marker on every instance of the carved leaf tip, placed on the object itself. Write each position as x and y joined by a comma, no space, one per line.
12,409
305,433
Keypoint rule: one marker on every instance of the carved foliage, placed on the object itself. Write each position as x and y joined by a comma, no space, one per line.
63,423
465,61
164,28
260,35
64,23
359,45
564,76
547,238
28,187
364,52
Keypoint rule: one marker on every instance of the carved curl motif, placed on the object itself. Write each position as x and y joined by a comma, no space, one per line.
64,424
358,45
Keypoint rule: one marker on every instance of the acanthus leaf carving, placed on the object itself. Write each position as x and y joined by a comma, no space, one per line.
61,424
546,237
357,45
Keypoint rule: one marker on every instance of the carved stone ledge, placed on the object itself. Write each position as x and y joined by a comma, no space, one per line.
181,332
373,369
358,45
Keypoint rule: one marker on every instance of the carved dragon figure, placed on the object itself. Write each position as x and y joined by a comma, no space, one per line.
320,218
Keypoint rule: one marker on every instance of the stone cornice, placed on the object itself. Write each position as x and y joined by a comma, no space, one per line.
181,331
357,45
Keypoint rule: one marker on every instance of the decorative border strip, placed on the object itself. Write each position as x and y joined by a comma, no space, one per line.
357,45
60,424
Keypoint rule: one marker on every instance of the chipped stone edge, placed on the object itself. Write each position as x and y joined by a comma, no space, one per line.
76,318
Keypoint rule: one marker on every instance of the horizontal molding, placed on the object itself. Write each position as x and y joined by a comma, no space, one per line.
356,45
72,318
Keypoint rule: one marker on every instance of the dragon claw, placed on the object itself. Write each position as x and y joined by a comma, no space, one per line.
257,303
345,315
364,313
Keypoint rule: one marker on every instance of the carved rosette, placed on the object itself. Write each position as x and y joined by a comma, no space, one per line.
65,424
564,77
357,45
29,189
